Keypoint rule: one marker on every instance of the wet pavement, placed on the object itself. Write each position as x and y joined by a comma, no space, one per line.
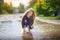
12,30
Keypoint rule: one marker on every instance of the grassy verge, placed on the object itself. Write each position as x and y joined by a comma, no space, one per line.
50,18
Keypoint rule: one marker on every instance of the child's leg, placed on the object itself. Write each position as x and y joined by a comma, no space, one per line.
23,29
29,29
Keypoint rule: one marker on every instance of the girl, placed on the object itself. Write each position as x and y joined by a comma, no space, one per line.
28,19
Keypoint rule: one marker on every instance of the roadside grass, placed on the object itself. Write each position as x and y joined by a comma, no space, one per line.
50,18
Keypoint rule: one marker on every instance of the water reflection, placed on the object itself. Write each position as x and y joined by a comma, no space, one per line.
27,37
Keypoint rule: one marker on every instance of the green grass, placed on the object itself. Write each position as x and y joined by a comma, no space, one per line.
50,18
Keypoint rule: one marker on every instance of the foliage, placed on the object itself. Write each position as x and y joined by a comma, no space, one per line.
58,17
4,7
31,3
3,12
21,8
46,7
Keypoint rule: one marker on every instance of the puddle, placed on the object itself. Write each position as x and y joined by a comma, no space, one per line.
50,29
12,30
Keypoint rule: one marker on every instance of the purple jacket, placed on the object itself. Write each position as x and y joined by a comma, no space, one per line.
26,21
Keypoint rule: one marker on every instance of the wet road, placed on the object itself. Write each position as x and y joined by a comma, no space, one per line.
12,30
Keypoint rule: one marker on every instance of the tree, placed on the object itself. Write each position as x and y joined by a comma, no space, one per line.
31,3
47,7
4,7
21,8
41,8
8,8
55,4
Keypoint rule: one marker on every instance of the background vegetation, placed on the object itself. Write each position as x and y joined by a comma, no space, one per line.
45,7
21,8
5,8
42,8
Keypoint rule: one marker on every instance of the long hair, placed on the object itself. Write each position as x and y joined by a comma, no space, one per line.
33,15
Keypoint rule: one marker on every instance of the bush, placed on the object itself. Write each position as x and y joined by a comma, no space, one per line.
58,17
3,12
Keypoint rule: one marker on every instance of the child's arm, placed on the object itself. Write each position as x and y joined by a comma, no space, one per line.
22,22
30,25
